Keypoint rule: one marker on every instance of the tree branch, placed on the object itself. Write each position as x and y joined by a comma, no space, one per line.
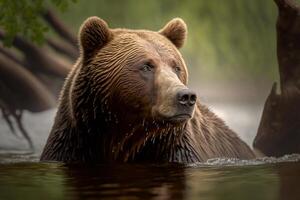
59,27
21,90
39,59
63,48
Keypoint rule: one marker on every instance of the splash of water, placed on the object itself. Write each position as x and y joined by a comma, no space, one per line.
239,162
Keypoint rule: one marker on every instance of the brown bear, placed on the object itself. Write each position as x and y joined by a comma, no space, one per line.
126,100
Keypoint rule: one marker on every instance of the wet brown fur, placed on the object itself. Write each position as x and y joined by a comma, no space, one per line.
105,115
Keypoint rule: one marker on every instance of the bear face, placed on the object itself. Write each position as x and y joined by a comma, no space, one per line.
136,74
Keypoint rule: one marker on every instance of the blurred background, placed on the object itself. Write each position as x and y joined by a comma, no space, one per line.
230,53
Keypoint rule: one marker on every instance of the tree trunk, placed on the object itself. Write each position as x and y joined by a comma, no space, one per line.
63,48
60,28
279,129
20,89
39,59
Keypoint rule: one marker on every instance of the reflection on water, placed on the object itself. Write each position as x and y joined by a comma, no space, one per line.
216,179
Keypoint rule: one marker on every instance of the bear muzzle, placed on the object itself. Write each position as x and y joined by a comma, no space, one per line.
185,104
177,107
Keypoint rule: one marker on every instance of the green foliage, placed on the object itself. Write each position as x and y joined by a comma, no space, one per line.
23,17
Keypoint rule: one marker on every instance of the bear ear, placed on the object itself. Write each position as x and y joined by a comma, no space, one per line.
176,31
93,35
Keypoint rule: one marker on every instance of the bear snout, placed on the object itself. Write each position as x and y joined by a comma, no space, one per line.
186,98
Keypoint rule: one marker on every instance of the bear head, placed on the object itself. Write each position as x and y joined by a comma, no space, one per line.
130,76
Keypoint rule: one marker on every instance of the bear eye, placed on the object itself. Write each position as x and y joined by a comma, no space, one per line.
177,69
147,67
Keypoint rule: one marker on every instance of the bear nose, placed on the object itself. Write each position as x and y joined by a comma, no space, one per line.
186,97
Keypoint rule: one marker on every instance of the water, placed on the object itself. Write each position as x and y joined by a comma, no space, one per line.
22,177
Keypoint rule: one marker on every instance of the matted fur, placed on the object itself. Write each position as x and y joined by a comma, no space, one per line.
105,112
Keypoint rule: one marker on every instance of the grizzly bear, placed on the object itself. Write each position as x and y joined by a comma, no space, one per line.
126,100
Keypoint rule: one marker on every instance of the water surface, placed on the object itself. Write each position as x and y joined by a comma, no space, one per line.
23,177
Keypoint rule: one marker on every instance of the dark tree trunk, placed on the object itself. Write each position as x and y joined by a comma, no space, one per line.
279,129
63,48
20,89
60,28
39,59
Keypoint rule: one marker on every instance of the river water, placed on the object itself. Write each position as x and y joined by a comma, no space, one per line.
23,177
